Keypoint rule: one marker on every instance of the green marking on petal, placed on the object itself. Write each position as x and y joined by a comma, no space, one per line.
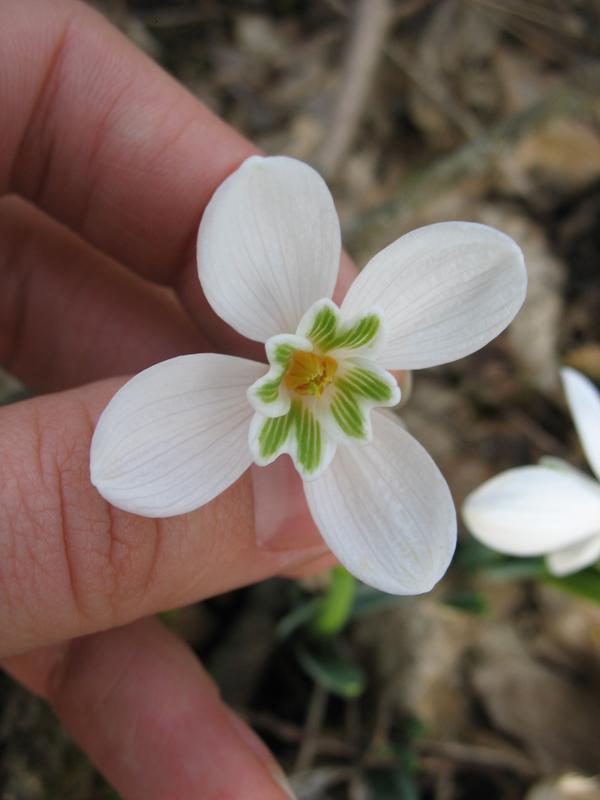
274,434
309,439
323,330
327,334
347,414
283,353
269,392
308,434
357,384
366,384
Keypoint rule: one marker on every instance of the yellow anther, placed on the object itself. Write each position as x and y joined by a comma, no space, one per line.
309,373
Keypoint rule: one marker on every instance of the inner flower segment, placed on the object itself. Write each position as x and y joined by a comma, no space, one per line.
322,383
309,373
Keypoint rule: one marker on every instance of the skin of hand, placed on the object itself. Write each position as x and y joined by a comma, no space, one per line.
106,164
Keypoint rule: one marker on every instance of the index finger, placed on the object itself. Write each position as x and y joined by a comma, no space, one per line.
104,140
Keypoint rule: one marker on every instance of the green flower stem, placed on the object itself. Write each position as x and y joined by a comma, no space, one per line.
336,605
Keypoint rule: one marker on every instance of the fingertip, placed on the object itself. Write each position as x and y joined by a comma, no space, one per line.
281,516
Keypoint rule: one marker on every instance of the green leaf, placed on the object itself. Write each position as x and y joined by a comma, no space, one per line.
298,617
339,676
371,601
515,569
392,784
467,600
471,555
585,583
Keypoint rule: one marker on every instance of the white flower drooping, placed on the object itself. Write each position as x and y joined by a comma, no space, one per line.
181,432
551,509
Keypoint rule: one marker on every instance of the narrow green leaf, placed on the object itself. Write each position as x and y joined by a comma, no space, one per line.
392,784
341,677
585,583
515,569
371,601
298,617
470,601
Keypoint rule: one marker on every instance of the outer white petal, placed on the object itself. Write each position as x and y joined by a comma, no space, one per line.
268,246
584,402
533,510
445,291
175,436
386,511
575,557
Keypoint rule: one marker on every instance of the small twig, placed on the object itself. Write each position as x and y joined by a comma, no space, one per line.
309,746
477,756
527,426
434,90
167,17
294,734
370,25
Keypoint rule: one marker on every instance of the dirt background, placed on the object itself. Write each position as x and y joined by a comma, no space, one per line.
416,111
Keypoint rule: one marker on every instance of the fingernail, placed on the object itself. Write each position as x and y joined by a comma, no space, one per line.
262,752
282,519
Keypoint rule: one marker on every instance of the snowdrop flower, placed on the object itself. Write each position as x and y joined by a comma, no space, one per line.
551,509
181,432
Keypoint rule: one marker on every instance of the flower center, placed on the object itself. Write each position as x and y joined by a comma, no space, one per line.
309,374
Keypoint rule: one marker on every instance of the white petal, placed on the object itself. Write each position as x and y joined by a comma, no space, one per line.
445,291
386,512
554,462
533,510
584,402
575,557
268,246
175,436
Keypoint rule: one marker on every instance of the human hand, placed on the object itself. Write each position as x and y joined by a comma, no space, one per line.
97,272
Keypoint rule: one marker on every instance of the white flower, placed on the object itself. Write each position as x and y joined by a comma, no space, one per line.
181,432
551,509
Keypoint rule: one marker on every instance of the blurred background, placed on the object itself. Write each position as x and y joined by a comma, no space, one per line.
415,111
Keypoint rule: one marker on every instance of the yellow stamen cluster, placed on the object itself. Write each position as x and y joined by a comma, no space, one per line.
309,373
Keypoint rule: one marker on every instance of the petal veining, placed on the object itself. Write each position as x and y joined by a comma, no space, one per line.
175,436
268,246
584,402
360,335
533,510
386,512
445,290
359,386
298,433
